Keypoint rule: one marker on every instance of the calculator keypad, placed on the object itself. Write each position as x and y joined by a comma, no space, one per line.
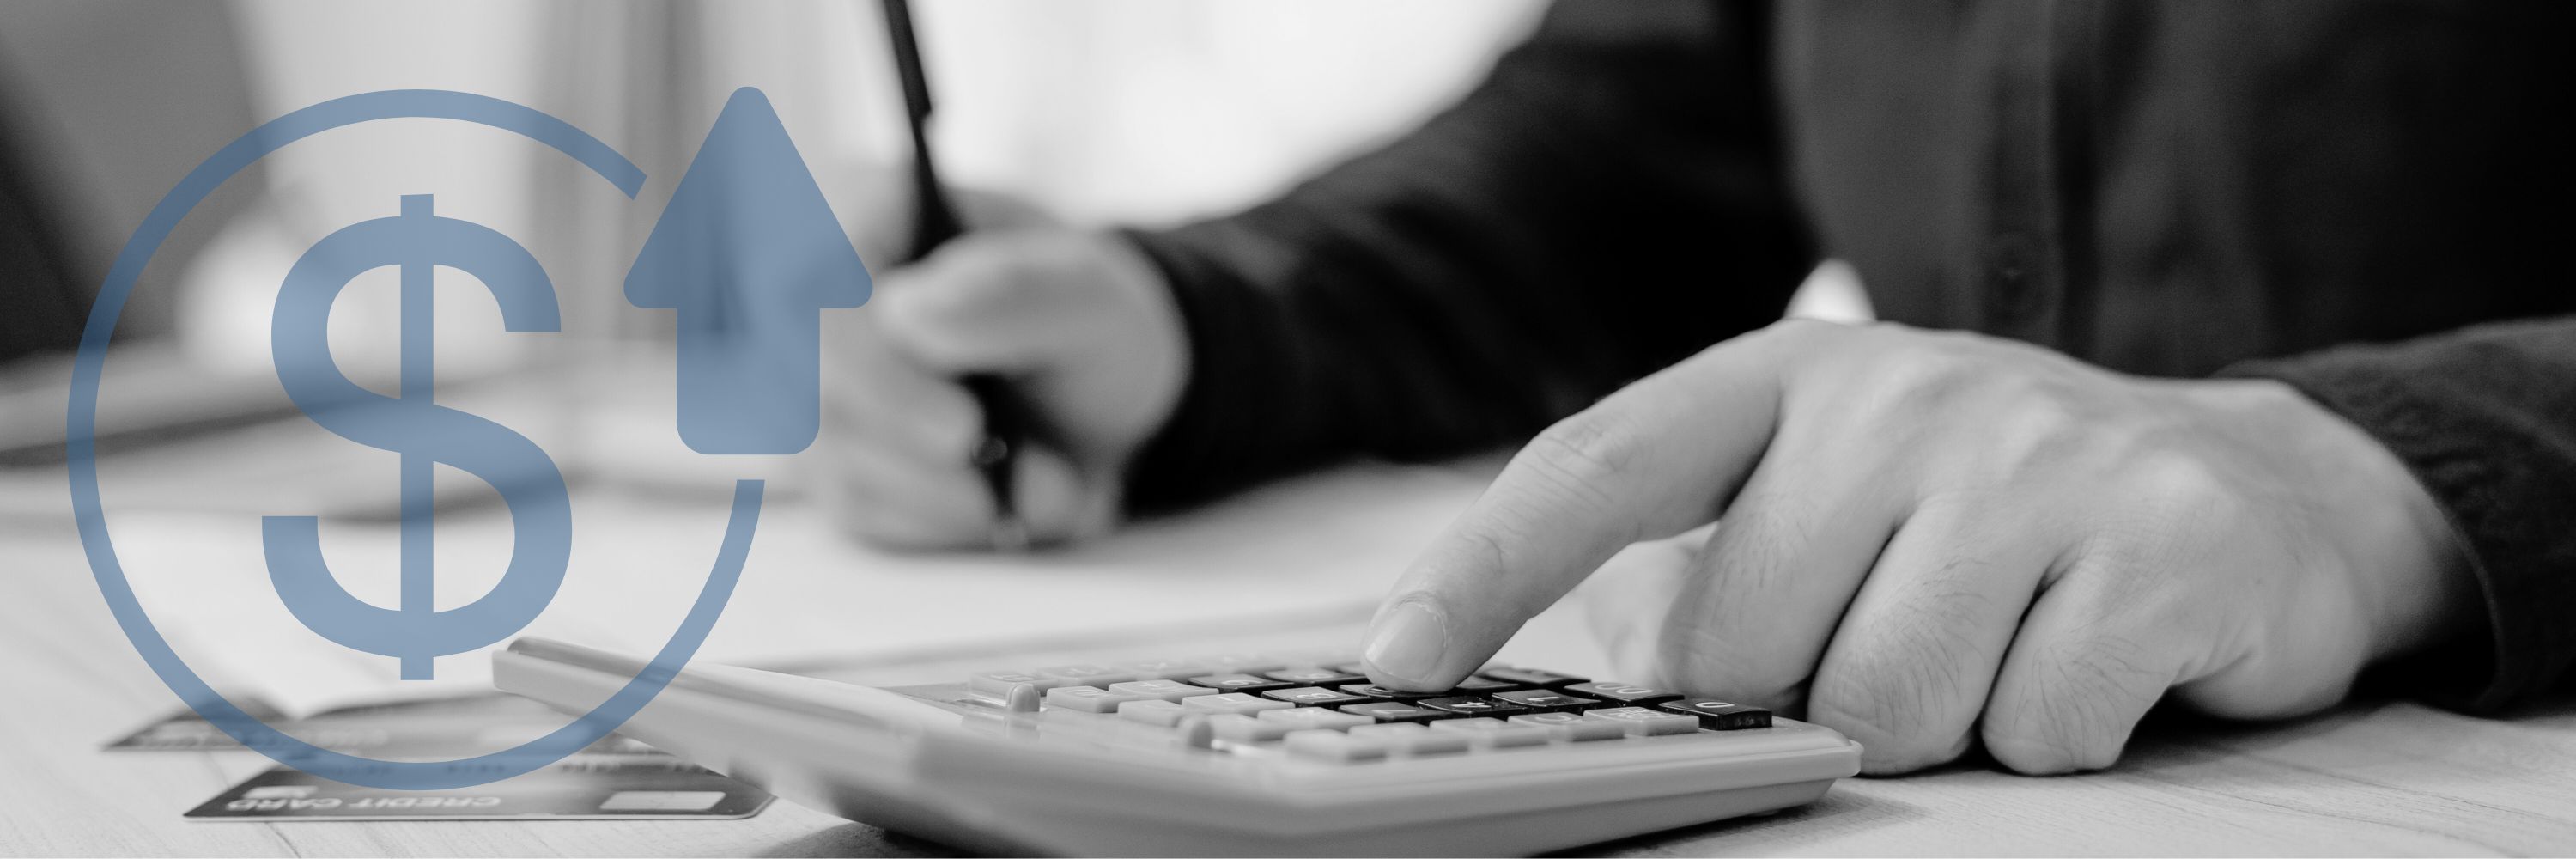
1320,706
1167,690
1393,711
1312,696
1719,715
1624,693
1414,739
1313,676
1474,705
1085,675
1232,702
1386,693
1304,718
1153,712
1239,682
1544,701
1088,699
1531,677
1572,727
1164,669
1494,733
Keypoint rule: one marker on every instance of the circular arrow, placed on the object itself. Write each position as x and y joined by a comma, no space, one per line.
81,447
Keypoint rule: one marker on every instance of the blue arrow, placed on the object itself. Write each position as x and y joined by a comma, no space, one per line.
748,255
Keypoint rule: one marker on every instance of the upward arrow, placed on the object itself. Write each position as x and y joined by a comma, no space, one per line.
748,255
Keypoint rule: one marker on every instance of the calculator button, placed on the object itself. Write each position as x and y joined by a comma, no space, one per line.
1086,674
1335,746
1153,711
1530,676
1624,693
1231,702
1088,699
997,684
1023,698
1246,729
1572,727
1719,715
1393,711
1168,690
1414,739
1239,682
1312,676
1163,669
1494,733
1312,696
1387,693
1485,686
1314,656
1253,663
1305,718
1390,731
1643,722
1473,705
1545,701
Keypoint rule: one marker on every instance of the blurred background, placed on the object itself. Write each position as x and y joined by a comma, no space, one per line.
1102,111
1136,111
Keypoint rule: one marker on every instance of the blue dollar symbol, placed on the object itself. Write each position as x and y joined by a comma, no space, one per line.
424,432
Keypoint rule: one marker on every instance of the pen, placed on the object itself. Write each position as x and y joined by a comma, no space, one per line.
935,222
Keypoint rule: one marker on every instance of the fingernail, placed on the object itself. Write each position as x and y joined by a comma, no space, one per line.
1408,643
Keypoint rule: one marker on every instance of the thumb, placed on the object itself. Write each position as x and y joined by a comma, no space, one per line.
979,304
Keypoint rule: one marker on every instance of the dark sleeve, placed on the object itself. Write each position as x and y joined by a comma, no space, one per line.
2486,418
1607,201
41,295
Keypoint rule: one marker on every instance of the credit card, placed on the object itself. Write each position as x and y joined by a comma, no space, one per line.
582,787
420,730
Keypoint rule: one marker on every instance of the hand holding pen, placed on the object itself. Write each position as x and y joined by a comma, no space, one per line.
1006,376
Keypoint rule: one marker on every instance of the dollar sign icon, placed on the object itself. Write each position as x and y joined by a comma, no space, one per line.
424,433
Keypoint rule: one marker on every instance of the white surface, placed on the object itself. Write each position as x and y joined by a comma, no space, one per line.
807,593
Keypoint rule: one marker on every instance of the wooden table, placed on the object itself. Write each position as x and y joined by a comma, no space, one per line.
2373,778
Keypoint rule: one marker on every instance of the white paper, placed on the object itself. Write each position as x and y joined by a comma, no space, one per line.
1325,543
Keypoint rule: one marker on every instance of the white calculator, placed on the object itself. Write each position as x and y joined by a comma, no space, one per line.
1269,754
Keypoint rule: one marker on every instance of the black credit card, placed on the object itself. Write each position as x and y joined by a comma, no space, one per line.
582,787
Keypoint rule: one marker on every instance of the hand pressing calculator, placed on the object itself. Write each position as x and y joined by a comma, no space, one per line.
1238,754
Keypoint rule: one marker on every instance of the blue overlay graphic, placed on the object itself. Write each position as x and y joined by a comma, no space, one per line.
779,202
424,432
748,255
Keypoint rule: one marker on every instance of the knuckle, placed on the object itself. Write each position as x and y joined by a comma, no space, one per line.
1583,454
1924,377
2036,427
2074,714
2181,481
1911,690
2036,414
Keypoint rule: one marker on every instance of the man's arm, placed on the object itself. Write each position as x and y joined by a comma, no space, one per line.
2485,417
1609,200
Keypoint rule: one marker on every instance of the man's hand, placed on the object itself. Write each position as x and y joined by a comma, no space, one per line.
1081,326
1931,539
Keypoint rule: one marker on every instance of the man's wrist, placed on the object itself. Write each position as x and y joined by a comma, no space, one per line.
2412,570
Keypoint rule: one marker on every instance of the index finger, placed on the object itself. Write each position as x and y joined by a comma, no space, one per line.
1658,457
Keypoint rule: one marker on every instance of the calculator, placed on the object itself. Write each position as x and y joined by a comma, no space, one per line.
1268,754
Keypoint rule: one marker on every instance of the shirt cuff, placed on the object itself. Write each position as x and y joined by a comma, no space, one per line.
2497,480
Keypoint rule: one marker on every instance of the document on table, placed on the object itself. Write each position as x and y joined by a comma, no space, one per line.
1327,543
